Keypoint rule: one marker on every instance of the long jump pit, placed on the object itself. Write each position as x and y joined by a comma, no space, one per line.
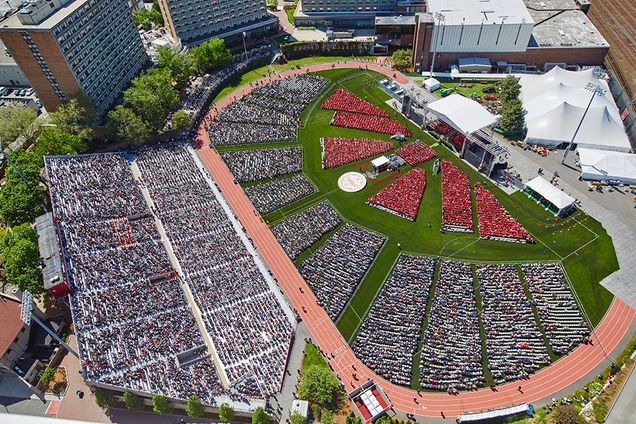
352,182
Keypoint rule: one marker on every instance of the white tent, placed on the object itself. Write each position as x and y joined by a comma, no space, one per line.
561,201
431,84
557,126
465,114
601,165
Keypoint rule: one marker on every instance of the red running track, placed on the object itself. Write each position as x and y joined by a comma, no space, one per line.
566,371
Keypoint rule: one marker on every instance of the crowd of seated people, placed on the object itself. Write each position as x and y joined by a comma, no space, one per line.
125,297
403,196
270,112
440,127
268,197
416,152
389,334
300,231
514,343
249,327
341,151
252,165
494,220
344,100
560,316
369,123
457,211
451,356
334,271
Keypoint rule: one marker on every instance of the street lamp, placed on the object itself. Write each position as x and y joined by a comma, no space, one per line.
596,90
15,168
440,18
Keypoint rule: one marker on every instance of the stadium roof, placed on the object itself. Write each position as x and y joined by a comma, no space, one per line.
603,165
549,192
476,12
462,113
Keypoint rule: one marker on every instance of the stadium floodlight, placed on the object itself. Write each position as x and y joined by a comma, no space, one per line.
440,18
26,315
596,90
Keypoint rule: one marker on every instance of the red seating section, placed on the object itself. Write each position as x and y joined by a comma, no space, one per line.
403,197
340,151
441,127
457,139
416,152
494,220
369,123
457,213
342,99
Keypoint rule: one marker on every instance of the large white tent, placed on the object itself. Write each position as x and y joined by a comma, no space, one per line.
465,114
555,103
602,165
561,201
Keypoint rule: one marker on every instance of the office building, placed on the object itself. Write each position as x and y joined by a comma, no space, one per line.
342,14
65,47
196,21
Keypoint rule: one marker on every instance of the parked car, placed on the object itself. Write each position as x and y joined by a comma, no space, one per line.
489,90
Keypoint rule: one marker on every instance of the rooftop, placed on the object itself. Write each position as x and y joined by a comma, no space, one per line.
476,12
11,322
49,249
395,20
50,22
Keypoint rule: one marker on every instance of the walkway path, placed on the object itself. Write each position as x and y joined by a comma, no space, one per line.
565,372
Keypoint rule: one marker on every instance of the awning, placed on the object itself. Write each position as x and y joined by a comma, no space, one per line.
462,113
551,193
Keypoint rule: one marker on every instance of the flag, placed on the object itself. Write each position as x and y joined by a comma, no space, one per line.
625,114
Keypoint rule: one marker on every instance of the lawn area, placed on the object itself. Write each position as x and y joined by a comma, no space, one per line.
290,13
312,356
579,242
465,88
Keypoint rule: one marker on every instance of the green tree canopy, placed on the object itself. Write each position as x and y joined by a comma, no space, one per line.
127,126
510,89
75,117
152,96
55,142
103,398
567,414
194,408
14,121
148,18
353,419
402,59
22,265
226,413
210,55
10,236
259,416
318,385
326,416
181,120
133,402
21,202
296,418
46,375
161,405
512,116
179,64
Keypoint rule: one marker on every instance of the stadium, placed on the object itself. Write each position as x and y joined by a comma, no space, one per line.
191,263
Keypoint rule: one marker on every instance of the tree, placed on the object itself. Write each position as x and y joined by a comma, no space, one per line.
512,116
402,59
353,419
148,18
46,375
226,413
567,414
55,142
194,408
103,398
127,126
181,120
14,121
326,416
9,237
133,402
152,96
210,55
180,65
510,89
296,418
22,265
259,416
75,117
21,202
161,405
318,385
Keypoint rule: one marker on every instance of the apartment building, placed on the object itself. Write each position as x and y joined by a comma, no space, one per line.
69,46
196,21
343,13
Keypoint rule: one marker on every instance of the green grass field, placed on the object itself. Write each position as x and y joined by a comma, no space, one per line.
578,241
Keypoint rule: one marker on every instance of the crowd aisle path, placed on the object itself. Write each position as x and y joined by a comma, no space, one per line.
545,383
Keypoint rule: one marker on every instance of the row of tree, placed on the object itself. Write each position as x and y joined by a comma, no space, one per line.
155,93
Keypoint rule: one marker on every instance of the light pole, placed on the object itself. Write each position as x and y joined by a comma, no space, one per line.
15,168
596,90
440,18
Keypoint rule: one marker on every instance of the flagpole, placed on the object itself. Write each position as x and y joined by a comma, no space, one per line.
244,47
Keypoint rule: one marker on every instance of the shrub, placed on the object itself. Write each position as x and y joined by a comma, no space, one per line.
133,402
161,405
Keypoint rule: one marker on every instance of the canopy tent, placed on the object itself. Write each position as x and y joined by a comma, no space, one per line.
555,103
560,202
601,165
474,64
599,130
462,113
431,84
